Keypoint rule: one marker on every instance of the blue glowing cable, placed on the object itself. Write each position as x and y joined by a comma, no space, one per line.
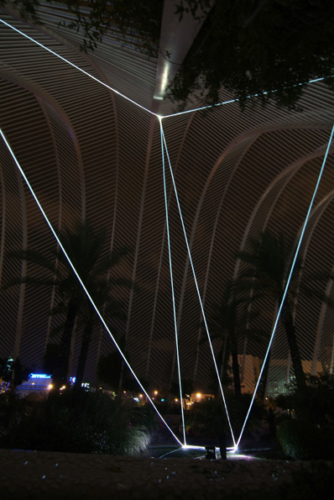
172,281
196,284
82,284
287,283
76,67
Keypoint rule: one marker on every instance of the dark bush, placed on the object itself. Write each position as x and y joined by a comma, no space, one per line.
207,419
315,403
80,422
302,440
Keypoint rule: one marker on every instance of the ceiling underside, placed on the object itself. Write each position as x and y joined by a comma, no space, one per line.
91,154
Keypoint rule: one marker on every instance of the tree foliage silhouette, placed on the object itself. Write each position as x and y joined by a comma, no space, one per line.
262,48
84,247
269,266
230,321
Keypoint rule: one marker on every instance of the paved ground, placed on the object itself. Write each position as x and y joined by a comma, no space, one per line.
50,475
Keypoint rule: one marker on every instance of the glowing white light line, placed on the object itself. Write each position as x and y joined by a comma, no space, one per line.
196,284
287,283
76,67
195,447
231,101
172,281
82,284
170,452
131,100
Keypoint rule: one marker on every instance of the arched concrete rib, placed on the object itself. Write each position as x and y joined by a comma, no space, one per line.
249,135
60,204
153,124
315,217
285,178
12,75
19,322
287,174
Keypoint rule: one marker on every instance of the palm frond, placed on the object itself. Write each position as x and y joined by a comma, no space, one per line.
29,280
33,257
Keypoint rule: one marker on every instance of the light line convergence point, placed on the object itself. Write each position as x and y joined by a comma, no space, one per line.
128,98
194,274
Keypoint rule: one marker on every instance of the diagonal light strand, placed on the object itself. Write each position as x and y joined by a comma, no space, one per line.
82,284
172,282
76,67
209,106
196,285
231,101
287,283
160,118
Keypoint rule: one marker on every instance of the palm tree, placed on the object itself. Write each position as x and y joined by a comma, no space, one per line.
270,263
84,247
229,321
104,298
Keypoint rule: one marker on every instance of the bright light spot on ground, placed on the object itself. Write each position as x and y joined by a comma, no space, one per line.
192,447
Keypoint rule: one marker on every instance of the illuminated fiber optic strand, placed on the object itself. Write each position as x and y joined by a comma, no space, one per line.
288,282
160,118
76,67
209,106
231,101
196,284
82,284
172,281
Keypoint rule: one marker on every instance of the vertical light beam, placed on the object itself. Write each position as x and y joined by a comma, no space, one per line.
172,280
287,283
197,287
82,284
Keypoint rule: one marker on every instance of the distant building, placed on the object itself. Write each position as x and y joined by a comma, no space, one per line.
280,373
38,383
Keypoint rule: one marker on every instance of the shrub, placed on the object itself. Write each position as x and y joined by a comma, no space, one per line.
314,403
208,418
80,422
300,439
